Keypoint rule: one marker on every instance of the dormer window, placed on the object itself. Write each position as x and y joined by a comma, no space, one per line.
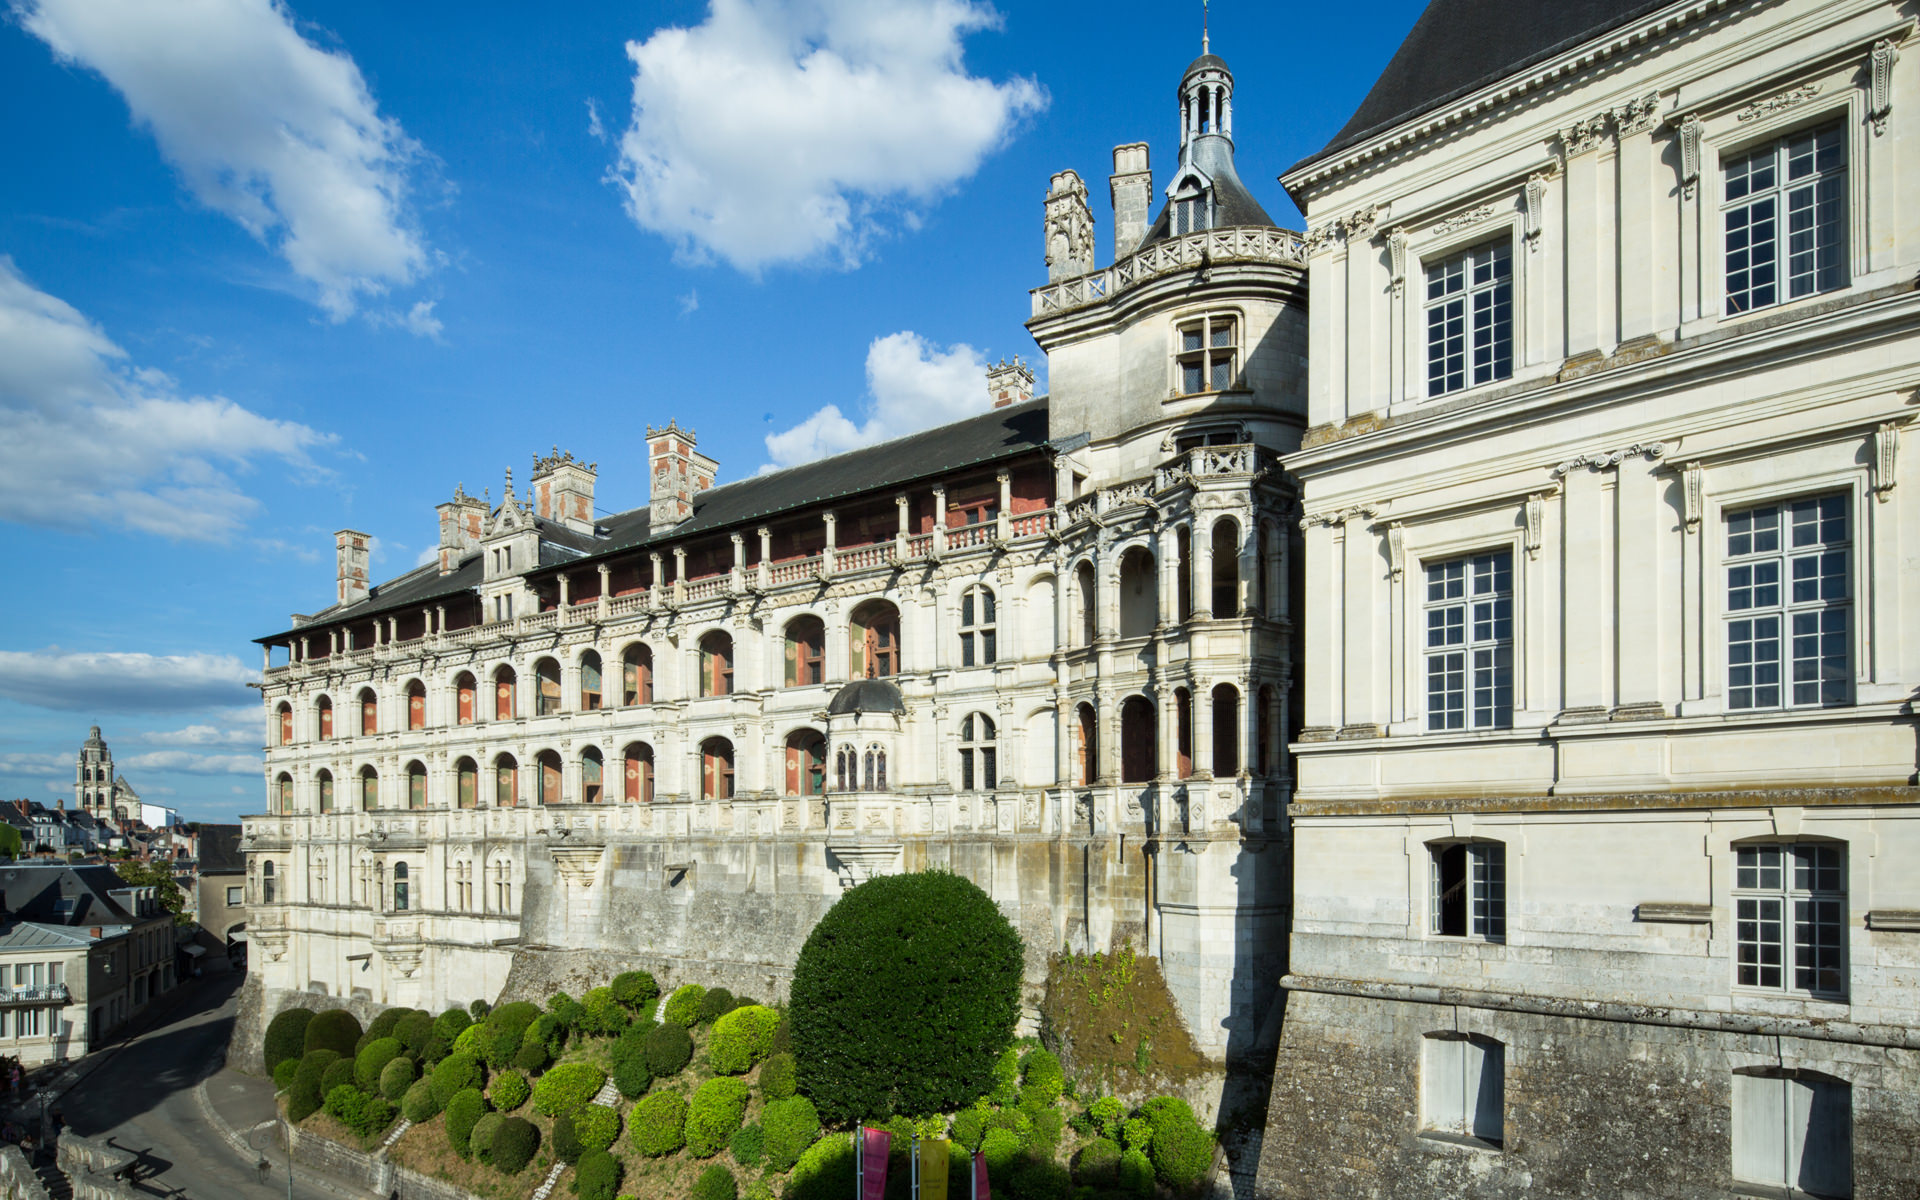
1209,353
1192,213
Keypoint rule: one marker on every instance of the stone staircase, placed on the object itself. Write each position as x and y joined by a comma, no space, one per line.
553,1177
398,1131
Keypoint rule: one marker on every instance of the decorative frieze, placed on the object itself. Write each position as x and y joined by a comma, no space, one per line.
1791,98
1606,461
1636,116
1359,512
1472,216
1880,87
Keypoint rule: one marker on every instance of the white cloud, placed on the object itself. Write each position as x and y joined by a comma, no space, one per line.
690,303
911,385
47,765
595,128
204,735
418,320
187,763
262,125
102,682
788,130
87,439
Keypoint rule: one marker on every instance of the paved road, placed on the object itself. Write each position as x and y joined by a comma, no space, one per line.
140,1096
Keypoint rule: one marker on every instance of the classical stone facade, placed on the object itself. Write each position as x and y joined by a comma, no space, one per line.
1605,819
1048,647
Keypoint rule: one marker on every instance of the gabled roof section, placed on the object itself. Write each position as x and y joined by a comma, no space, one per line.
57,894
220,852
1233,204
1460,46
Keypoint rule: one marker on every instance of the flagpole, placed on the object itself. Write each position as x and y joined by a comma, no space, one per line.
859,1162
913,1151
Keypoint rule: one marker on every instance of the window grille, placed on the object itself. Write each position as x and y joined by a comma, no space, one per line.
1209,355
1790,911
1470,642
1789,605
1470,318
1800,179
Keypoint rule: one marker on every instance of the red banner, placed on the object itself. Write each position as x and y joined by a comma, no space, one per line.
980,1188
873,1163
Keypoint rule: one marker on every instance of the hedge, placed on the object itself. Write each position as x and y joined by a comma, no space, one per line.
669,1049
635,989
777,1077
462,1111
749,1145
760,1189
715,1004
509,1090
335,1029
451,1024
792,1125
283,1074
657,1125
718,1107
480,1141
633,1077
683,1007
373,1059
1136,1174
715,1183
286,1037
1098,1163
597,1177
418,1104
532,1058
395,1078
506,1027
741,1038
604,1014
415,1030
456,1073
1043,1077
339,1073
1041,1179
513,1145
365,1115
1006,1078
597,1126
567,1087
1000,1147
824,1172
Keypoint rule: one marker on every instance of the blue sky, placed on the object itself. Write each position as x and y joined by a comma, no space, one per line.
271,270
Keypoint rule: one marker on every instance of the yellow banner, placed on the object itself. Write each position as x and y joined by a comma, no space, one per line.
933,1169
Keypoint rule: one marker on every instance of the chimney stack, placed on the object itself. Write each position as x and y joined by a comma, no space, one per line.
1132,190
463,521
563,490
350,559
679,473
1009,383
1069,228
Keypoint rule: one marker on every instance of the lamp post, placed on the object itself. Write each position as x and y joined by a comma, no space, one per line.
264,1165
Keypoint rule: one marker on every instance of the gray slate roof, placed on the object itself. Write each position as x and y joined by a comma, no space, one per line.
1234,205
1460,46
33,892
220,852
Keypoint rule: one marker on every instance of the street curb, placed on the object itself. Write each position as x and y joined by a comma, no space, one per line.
238,1141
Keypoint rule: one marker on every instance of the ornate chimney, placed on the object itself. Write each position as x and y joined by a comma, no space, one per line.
563,490
350,560
1069,228
679,473
463,522
1009,383
1132,190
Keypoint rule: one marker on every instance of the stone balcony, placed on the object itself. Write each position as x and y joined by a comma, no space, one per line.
1213,247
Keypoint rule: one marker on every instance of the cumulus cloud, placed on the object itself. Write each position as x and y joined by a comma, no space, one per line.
100,682
418,320
911,385
87,439
185,762
791,130
263,126
247,735
50,766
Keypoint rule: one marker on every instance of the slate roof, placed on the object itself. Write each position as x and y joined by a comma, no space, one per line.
27,935
867,695
1460,46
34,891
992,436
220,852
1234,204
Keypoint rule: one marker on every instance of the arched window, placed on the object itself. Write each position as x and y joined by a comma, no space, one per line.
806,652
283,794
369,789
1086,746
806,763
1226,568
326,791
716,769
636,675
416,785
716,664
874,774
465,691
502,872
463,885
400,882
550,772
846,770
874,632
1183,731
978,627
469,783
1139,594
590,682
325,707
638,765
1226,731
1138,736
1086,601
592,769
506,782
369,712
979,764
503,680
285,725
546,700
266,882
416,705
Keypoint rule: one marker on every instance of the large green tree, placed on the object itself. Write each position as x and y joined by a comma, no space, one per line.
159,878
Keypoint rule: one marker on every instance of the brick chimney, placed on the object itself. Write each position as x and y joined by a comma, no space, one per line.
563,490
350,559
1009,383
463,522
1132,190
679,473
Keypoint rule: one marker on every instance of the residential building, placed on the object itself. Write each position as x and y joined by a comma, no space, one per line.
220,903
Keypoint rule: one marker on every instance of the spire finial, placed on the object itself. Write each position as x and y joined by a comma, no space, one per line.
1205,40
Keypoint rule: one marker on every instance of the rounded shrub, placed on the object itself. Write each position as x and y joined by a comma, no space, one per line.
471,1041
565,1141
632,1077
1136,1174
570,1013
777,1077
749,1145
339,1073
456,1073
715,1183
506,1027
480,1141
1006,1078
396,1077
567,1087
1046,1130
824,1172
509,1090
1181,1151
415,1030
1000,1148
969,1126
1041,1179
741,1037
451,1024
335,1029
597,1177
384,1021
1136,1134
365,1115
1098,1164
1043,1077
791,1126
657,1125
532,1058
760,1189
715,1004
597,1126
605,1015
283,1074
1107,1114
513,1145
717,1109
373,1059
437,1049
635,989
932,945
547,1031
418,1104
466,1107
683,1007
479,1008
1014,1121
669,1049
286,1038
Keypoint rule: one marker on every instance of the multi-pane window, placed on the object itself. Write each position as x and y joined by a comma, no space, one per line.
1785,213
1209,354
977,627
1790,916
1470,642
1470,318
979,769
1789,606
1469,890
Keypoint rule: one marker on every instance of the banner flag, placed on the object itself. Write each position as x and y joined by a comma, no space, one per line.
933,1169
873,1163
980,1189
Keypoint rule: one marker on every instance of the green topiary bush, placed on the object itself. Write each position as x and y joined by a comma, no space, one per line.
969,1126
1014,1121
715,1004
715,1183
749,1145
373,1059
283,1074
1181,1151
456,1073
633,1077
509,1090
472,1040
717,1108
415,1030
1043,1077
337,1074
506,1029
451,1024
567,1087
777,1077
480,1141
1098,1164
635,989
365,1115
597,1177
1041,1179
824,1172
395,1078
1136,1134
1108,1114
513,1145
1000,1148
669,1049
760,1189
657,1125
683,1007
741,1038
335,1029
532,1058
418,1104
479,1008
565,1141
466,1107
791,1126
605,1015
597,1126
1006,1078
1136,1174
569,1013
381,1026
286,1038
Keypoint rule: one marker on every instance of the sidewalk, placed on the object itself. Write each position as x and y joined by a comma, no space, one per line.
238,1105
